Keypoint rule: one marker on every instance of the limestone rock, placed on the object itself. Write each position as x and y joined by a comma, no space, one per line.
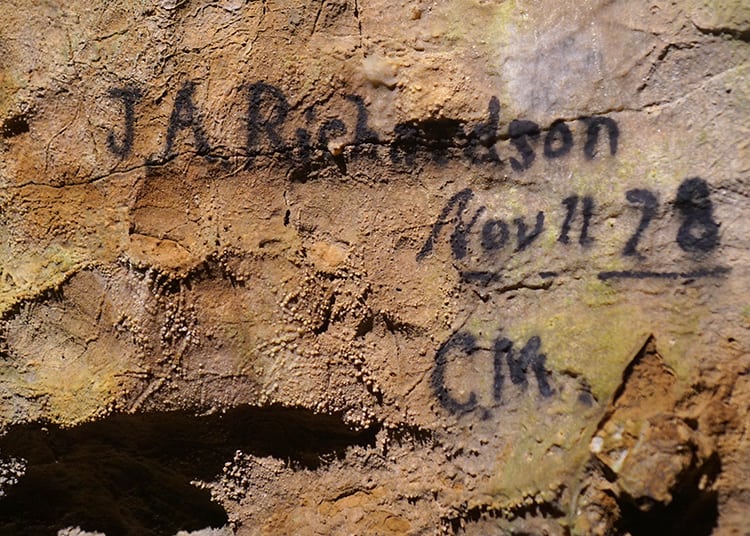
352,267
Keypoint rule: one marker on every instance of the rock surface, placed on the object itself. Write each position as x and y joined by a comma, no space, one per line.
473,267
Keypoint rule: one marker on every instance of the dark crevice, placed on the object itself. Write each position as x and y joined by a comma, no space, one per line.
392,324
365,326
547,510
213,267
326,315
14,126
411,434
130,473
693,511
741,34
395,325
475,514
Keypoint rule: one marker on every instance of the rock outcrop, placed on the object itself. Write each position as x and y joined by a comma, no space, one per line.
343,267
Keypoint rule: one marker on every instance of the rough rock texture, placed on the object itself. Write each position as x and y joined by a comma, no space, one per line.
473,267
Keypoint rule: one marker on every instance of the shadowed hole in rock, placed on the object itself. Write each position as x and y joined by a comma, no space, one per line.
660,448
693,511
130,473
14,126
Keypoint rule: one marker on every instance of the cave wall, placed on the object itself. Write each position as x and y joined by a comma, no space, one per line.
505,240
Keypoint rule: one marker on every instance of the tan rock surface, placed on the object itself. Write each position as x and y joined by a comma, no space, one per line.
375,268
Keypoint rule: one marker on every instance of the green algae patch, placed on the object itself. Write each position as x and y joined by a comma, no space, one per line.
30,276
547,452
473,22
76,387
